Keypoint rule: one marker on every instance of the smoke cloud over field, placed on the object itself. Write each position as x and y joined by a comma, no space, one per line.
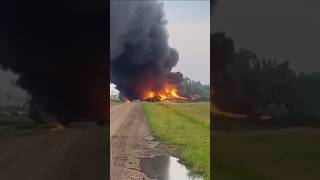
141,58
58,49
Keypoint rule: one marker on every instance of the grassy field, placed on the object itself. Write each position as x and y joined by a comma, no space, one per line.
278,154
186,127
115,102
11,126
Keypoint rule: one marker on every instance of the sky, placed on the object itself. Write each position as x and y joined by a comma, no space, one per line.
284,30
189,33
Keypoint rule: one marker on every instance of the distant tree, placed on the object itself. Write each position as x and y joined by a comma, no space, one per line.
241,78
262,81
195,88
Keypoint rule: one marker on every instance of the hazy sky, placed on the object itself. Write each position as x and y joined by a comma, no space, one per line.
189,33
286,29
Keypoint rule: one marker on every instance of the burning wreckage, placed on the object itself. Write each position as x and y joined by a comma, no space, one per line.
167,93
141,59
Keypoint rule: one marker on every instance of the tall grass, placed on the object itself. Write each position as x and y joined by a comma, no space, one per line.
186,128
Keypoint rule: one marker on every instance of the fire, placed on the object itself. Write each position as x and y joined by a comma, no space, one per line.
150,94
166,93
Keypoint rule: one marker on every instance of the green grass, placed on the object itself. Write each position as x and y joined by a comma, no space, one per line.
115,102
186,128
12,126
282,154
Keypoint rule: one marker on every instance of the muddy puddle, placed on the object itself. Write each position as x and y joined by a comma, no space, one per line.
165,168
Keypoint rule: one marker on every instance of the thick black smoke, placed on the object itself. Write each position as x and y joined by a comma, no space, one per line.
59,50
141,58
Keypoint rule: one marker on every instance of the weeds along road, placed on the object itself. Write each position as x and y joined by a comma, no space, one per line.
129,136
71,154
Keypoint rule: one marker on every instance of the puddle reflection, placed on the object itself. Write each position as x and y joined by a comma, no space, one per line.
165,168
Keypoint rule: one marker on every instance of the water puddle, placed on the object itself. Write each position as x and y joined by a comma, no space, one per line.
166,168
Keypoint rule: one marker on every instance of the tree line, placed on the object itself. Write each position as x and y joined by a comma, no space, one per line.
251,84
195,88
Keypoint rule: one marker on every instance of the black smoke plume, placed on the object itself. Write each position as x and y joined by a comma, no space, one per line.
59,50
141,58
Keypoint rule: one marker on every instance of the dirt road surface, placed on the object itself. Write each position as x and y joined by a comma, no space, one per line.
72,154
130,141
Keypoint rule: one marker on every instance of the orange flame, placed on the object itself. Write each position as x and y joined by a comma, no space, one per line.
166,93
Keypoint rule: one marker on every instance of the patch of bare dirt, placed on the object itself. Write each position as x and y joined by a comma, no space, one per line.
71,154
130,141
